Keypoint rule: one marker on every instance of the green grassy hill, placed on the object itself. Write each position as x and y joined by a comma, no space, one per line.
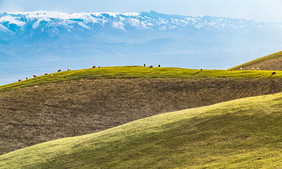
91,100
86,101
131,72
244,133
270,62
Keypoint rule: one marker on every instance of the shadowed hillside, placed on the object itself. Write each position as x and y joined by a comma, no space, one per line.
270,62
32,115
244,133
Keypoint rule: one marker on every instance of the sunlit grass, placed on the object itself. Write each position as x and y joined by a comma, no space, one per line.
244,133
139,72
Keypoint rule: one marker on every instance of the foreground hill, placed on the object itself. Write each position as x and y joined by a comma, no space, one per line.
270,62
236,134
87,101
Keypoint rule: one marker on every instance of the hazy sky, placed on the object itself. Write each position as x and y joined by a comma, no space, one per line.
259,10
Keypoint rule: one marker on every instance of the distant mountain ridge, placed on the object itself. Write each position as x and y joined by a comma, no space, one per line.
41,41
15,22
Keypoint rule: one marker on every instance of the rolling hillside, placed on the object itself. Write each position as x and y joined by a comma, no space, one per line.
236,134
132,72
91,100
270,62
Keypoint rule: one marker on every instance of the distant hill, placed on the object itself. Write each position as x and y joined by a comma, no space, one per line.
270,62
243,133
73,103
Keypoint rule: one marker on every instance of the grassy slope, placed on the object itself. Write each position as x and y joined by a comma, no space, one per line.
236,134
271,59
138,72
79,107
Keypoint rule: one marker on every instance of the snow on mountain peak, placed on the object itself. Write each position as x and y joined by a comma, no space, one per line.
67,16
151,20
85,20
11,20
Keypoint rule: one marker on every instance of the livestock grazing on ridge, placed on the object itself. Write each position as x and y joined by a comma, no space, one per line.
26,78
93,67
59,70
34,75
159,65
144,65
46,73
68,69
151,66
19,80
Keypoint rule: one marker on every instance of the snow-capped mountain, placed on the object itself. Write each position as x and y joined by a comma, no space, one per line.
17,22
39,42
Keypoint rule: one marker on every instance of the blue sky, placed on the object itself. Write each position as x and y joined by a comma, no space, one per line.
259,10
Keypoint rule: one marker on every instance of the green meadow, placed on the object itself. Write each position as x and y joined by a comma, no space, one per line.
129,72
244,133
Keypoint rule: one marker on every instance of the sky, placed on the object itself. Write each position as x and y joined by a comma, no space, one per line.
258,10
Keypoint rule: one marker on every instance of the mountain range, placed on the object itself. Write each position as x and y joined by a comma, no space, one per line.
41,41
58,22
